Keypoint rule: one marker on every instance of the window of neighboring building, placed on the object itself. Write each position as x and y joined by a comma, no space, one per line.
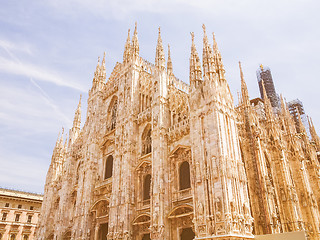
19,206
29,218
13,237
17,217
184,176
146,187
31,207
7,204
109,167
0,235
4,216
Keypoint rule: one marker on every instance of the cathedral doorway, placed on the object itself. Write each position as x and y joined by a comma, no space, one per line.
103,231
187,234
146,237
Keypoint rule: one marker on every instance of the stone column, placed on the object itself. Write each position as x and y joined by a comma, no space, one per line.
96,232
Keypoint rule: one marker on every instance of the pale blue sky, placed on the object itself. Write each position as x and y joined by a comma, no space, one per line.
49,50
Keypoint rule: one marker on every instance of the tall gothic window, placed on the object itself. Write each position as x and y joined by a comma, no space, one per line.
146,187
146,140
184,176
109,167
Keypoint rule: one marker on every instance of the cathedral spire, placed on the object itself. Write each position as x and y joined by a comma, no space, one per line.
135,42
61,139
195,65
77,116
169,63
301,128
207,57
244,89
215,45
218,59
160,61
97,72
314,136
127,49
75,130
103,73
288,121
284,109
267,104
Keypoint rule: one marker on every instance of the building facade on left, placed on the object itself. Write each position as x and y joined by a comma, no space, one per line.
19,214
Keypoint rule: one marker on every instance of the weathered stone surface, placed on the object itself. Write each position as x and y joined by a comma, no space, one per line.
157,158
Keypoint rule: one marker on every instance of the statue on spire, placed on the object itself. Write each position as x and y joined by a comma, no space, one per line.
127,49
169,63
207,57
75,130
244,89
135,42
195,65
160,60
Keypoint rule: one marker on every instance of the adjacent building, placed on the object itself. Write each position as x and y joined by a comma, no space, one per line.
264,77
161,159
296,109
19,214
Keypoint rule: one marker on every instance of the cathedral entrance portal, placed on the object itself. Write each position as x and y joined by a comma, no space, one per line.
103,231
146,237
187,234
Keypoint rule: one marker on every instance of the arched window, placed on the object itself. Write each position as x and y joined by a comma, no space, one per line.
13,237
109,166
184,176
146,140
146,187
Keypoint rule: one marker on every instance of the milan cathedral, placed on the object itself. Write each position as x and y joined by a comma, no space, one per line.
160,159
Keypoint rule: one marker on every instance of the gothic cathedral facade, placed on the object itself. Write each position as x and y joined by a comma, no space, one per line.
160,159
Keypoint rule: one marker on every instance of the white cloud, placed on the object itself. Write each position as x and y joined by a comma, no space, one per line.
37,72
19,47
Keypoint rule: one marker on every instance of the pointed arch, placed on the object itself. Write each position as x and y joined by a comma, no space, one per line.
181,211
101,207
142,219
146,140
96,203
